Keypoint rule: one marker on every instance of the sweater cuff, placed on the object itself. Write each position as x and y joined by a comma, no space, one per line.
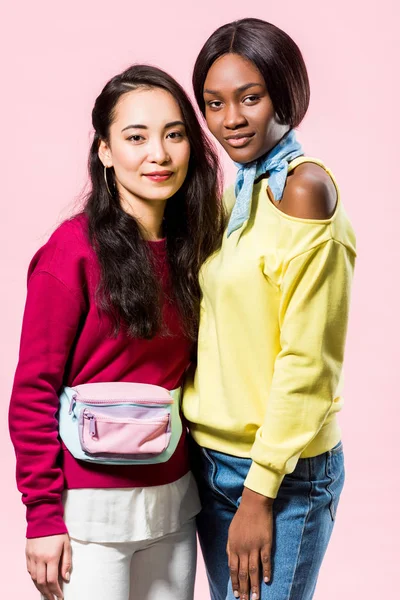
45,519
263,481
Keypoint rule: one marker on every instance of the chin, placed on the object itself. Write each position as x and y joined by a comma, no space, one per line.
161,196
241,156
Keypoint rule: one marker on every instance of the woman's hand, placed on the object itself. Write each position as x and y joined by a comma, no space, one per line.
249,543
46,559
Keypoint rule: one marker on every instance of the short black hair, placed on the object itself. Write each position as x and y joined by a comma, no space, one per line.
273,52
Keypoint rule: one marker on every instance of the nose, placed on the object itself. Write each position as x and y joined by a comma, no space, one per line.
233,117
158,153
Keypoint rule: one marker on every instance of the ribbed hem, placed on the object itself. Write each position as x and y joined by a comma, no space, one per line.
267,482
263,481
45,519
328,436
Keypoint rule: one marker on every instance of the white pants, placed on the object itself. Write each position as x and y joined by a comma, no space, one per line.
160,569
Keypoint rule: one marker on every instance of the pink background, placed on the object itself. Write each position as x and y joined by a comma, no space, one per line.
56,57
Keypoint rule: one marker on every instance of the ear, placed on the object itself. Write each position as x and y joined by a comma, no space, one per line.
105,154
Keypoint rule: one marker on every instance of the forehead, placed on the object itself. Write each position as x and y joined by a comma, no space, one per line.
151,107
232,71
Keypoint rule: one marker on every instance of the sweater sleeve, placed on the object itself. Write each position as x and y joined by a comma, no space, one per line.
50,324
314,306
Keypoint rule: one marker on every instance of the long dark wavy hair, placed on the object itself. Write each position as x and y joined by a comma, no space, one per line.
129,290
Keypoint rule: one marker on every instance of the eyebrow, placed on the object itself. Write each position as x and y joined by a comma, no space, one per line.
139,126
242,88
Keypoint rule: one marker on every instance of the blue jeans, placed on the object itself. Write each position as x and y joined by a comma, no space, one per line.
304,514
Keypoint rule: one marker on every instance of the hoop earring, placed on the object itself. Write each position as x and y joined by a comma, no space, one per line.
105,179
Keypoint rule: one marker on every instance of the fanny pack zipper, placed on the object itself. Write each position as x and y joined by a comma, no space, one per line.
138,402
93,418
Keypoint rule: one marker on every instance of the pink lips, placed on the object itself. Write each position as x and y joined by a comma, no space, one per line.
239,140
159,176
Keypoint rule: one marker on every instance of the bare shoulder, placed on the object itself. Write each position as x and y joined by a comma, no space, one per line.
309,193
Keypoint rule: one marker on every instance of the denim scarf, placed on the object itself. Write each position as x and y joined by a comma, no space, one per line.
276,162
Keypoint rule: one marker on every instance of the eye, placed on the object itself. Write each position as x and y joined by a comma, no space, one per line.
175,135
251,99
214,104
135,138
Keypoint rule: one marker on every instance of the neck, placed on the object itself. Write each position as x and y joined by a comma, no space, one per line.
279,133
149,214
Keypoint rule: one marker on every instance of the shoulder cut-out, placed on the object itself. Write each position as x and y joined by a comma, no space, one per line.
309,193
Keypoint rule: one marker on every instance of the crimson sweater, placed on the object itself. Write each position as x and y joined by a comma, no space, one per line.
66,340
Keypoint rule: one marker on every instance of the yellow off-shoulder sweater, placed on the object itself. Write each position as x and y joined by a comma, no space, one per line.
273,324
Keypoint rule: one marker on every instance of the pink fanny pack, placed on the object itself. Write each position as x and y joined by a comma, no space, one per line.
120,423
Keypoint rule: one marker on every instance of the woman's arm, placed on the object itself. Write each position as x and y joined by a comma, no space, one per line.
315,293
50,324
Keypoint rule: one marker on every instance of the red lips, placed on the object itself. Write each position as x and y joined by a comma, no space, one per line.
158,176
158,173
